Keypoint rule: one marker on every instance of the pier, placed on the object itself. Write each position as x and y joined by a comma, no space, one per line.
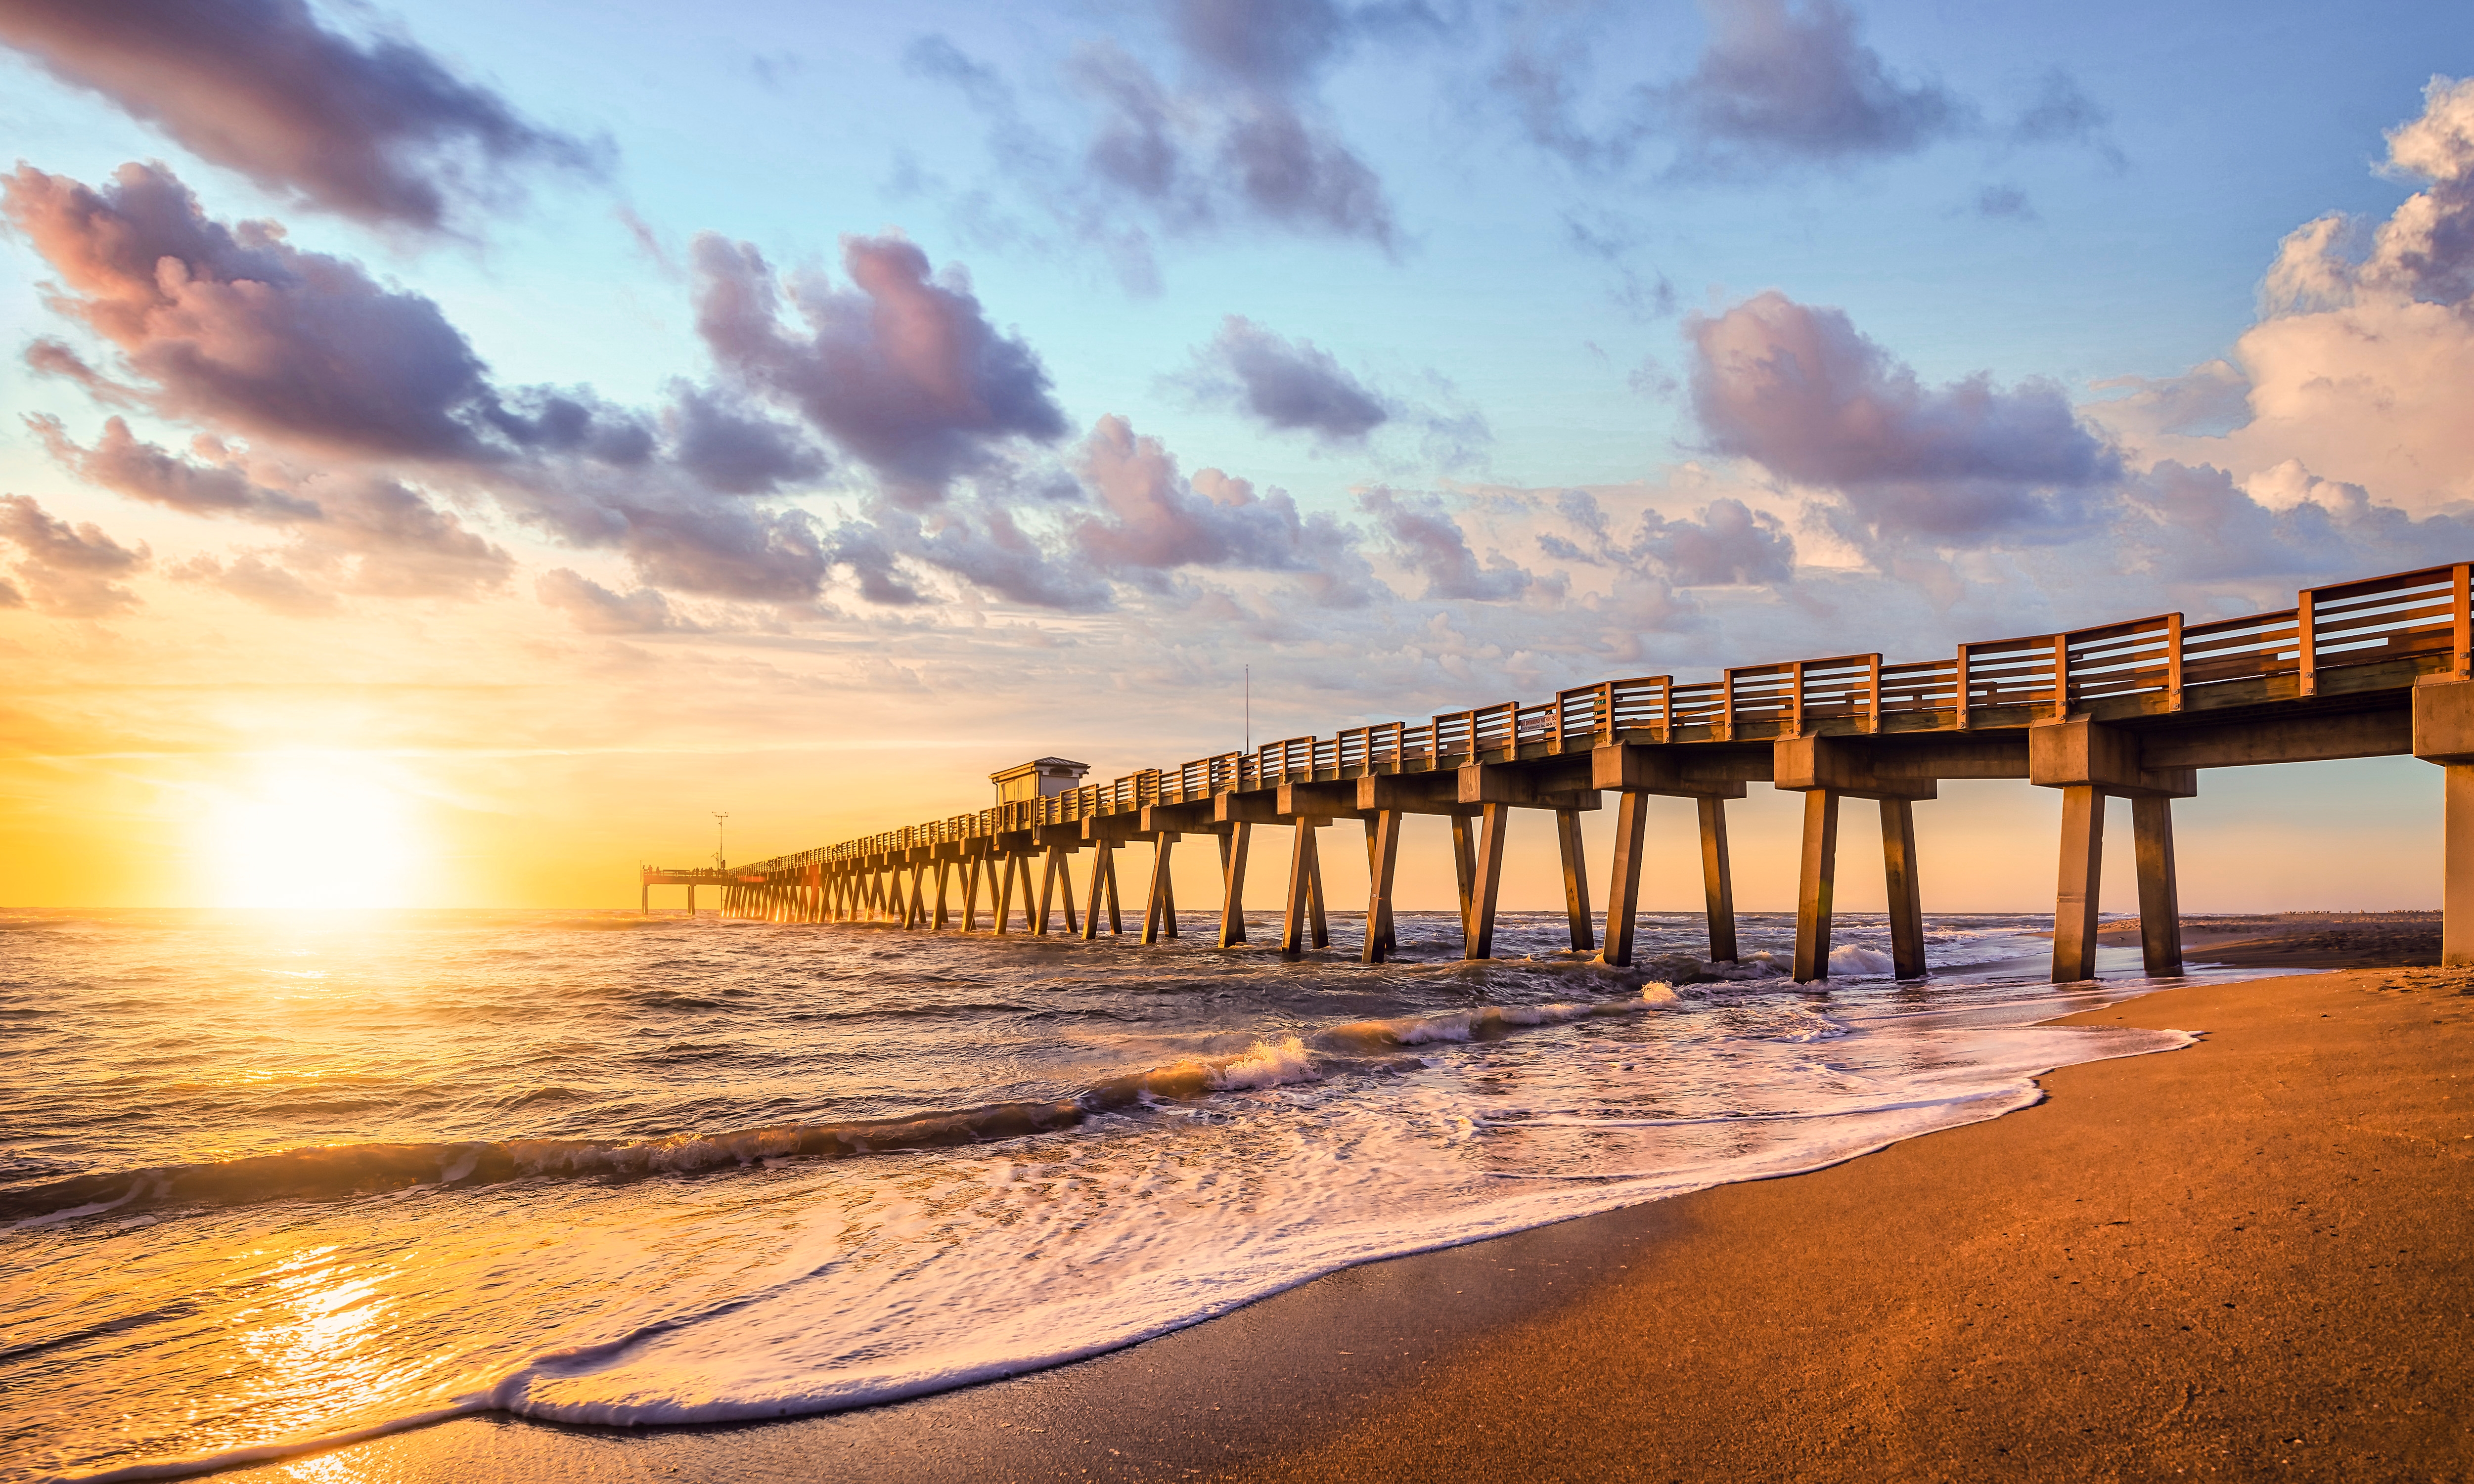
2383,666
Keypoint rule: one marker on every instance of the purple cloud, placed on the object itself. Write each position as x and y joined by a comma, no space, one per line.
1799,391
734,450
1425,538
383,133
119,461
1155,519
241,329
1781,83
902,368
70,571
1288,384
596,610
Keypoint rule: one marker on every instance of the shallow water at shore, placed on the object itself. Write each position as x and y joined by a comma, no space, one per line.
273,1179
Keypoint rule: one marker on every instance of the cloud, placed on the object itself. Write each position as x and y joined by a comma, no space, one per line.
383,133
2359,362
1244,137
370,534
70,571
1155,520
1610,239
235,330
141,470
253,579
241,329
986,546
734,450
727,551
2063,113
902,368
1287,384
2004,203
596,610
2210,399
1422,536
1726,543
1781,85
49,357
1241,140
384,539
1797,390
2200,525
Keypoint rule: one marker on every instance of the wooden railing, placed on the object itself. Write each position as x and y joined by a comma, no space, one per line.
2155,664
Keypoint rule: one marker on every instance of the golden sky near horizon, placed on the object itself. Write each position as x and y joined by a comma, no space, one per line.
198,754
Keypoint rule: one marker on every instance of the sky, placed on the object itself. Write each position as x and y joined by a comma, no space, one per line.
451,451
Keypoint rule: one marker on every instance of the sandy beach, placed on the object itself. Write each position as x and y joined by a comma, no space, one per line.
2250,1258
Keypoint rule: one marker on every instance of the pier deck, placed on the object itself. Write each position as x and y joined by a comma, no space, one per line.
2377,667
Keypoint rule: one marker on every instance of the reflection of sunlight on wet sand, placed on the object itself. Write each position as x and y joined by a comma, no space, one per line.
311,1339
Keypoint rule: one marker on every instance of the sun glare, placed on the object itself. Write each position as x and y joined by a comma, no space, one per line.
311,832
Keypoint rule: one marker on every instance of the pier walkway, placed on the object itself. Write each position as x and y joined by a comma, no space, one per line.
2378,667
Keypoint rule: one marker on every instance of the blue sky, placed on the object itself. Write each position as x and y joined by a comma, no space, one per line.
1515,255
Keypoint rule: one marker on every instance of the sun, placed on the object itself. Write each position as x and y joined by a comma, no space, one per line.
311,832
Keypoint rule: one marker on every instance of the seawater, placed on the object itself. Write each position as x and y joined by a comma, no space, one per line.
269,1180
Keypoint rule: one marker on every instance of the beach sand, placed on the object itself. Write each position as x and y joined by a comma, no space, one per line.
2252,1258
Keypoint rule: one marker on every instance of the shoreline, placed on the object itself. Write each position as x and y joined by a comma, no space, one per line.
2047,1294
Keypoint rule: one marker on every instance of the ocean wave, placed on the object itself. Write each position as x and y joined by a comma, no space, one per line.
1487,1022
340,1171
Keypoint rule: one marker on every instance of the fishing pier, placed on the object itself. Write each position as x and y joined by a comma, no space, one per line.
2379,667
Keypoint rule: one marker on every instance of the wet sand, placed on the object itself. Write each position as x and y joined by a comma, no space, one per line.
2252,1259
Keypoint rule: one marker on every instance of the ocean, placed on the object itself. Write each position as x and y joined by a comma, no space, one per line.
269,1180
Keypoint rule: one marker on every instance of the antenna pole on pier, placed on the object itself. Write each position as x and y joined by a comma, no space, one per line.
719,864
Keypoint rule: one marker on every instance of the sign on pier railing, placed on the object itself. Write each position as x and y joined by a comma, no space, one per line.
2409,615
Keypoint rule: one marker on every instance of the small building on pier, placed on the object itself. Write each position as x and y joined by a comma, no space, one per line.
1038,779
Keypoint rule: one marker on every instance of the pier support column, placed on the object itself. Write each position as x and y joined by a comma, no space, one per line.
2443,733
1005,893
2075,898
645,908
1102,849
1232,883
1304,868
1490,881
944,874
1382,861
1315,916
1048,863
918,915
1907,895
1815,885
1465,875
1717,880
2456,867
1116,921
2160,896
1159,908
1576,879
1623,879
971,894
